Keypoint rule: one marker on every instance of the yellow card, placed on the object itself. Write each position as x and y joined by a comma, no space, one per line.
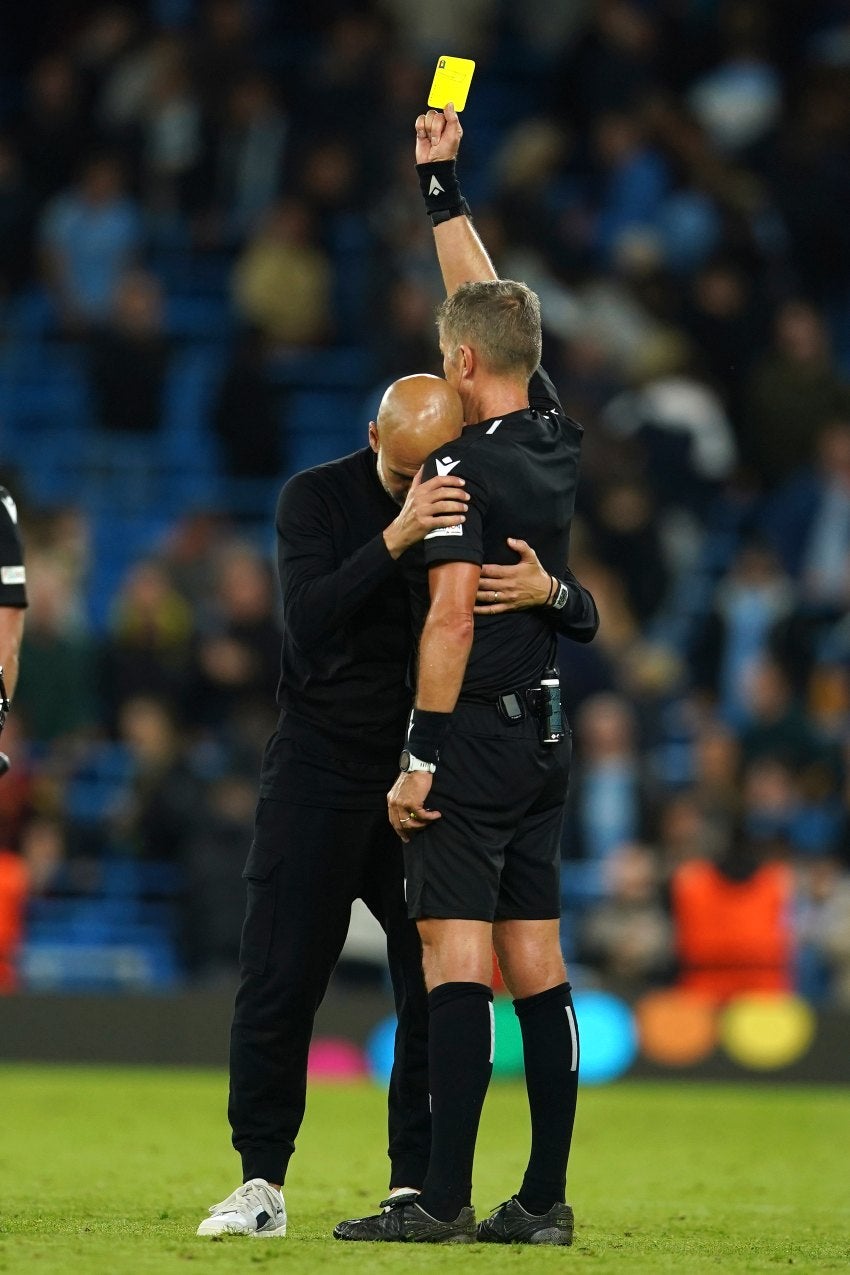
452,79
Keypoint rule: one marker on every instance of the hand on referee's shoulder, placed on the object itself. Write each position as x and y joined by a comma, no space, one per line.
439,502
438,135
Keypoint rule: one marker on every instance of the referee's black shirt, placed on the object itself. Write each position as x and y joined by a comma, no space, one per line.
13,591
521,471
346,643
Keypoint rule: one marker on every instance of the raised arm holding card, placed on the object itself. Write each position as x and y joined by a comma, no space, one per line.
487,745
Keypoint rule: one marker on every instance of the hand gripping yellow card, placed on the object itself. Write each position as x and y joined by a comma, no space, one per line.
452,79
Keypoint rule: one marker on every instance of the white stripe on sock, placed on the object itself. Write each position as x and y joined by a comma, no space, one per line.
573,1037
492,1031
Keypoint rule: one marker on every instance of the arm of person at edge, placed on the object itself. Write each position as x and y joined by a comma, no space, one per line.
443,654
528,584
11,633
321,593
464,259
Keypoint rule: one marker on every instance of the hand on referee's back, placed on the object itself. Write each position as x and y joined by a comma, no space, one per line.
516,587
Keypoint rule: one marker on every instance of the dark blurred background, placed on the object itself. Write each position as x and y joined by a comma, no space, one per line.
213,258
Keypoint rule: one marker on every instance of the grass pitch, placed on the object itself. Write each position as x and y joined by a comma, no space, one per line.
105,1170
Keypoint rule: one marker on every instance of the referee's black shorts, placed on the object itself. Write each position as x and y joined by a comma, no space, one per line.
495,853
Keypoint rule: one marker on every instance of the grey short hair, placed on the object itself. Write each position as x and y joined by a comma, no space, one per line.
499,319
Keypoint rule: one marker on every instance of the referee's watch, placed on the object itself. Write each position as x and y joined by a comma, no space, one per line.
408,763
562,593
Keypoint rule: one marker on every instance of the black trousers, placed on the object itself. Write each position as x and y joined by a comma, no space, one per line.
305,867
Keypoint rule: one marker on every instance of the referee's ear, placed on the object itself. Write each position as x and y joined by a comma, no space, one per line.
373,436
467,361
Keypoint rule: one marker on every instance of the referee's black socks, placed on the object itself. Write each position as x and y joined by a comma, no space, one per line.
460,1063
551,1051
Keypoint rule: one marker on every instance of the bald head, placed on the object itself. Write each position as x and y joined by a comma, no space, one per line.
417,415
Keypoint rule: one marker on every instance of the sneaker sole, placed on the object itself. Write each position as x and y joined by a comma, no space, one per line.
228,1233
550,1235
448,1239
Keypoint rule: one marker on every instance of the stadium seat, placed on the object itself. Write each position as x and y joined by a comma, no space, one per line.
343,367
322,411
307,450
189,317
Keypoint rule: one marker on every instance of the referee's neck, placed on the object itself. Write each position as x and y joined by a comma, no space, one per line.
497,396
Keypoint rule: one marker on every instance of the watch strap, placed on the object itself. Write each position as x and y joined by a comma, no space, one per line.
416,763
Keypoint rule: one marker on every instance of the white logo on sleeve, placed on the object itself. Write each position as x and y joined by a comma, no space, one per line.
435,188
445,531
10,506
13,575
446,465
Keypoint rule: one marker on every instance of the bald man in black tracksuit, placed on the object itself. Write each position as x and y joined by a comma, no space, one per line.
321,836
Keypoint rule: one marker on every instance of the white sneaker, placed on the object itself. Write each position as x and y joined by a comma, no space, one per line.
255,1208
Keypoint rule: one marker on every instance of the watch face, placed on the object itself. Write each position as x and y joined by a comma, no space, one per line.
404,760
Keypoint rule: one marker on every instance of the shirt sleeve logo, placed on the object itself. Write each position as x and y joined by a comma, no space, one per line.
445,531
446,465
13,575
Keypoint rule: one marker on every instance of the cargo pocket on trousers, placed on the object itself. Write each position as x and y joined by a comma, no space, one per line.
259,878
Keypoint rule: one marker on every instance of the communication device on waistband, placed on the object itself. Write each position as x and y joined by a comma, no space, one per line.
511,707
451,82
551,715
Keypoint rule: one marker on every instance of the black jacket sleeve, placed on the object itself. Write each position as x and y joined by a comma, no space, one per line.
320,592
579,619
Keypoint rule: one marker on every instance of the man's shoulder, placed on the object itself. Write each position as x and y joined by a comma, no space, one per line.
544,399
331,472
460,452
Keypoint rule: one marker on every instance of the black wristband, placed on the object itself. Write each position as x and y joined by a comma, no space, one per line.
426,733
441,192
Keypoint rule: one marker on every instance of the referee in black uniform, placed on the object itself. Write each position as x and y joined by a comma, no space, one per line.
487,749
13,603
321,837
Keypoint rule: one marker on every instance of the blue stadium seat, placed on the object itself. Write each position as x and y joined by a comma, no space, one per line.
204,318
188,274
344,367
186,441
31,314
307,450
97,782
324,411
254,498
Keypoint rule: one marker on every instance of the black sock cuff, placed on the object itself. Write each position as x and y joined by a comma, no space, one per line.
528,1004
448,992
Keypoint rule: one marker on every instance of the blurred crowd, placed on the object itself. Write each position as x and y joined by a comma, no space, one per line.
673,178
